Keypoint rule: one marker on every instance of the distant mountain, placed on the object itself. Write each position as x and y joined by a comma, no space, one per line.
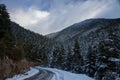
82,28
88,32
52,35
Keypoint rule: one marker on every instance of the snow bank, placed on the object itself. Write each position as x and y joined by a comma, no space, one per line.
64,75
28,74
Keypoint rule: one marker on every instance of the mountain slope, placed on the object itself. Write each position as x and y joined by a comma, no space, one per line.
88,32
36,45
82,28
96,42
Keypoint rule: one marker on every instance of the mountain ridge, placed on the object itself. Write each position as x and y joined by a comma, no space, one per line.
89,23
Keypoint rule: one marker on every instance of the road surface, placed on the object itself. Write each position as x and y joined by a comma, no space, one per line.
42,75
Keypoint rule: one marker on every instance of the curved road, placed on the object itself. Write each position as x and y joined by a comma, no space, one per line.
42,75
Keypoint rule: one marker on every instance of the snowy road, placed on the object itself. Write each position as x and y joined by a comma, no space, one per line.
42,75
64,75
34,74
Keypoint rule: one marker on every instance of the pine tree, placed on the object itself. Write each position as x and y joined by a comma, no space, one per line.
8,44
77,58
109,50
61,57
56,51
69,60
4,21
114,40
5,33
91,62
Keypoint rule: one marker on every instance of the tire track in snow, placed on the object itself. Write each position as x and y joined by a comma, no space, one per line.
58,75
42,75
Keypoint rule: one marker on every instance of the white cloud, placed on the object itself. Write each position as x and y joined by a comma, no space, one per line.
62,15
29,17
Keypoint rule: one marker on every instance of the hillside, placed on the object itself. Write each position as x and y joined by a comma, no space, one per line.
90,47
34,44
88,32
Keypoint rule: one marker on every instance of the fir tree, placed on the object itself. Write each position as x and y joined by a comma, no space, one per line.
91,61
77,58
56,51
61,57
109,50
69,59
6,41
4,21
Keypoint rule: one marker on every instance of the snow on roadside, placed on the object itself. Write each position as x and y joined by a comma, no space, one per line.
64,75
28,74
58,75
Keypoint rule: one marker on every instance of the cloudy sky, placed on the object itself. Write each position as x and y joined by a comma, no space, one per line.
47,16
